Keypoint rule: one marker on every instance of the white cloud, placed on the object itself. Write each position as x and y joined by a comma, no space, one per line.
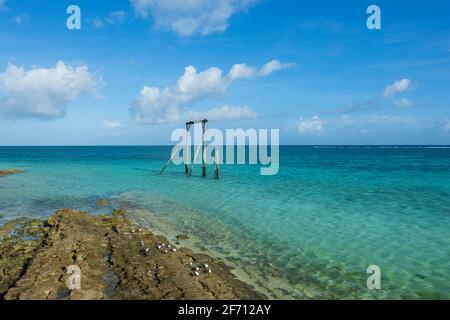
189,17
163,105
404,103
397,87
312,125
114,18
21,19
273,66
111,125
153,106
43,93
224,113
242,71
192,84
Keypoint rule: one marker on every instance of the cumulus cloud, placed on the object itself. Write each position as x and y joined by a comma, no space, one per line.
114,18
189,17
404,103
163,105
273,66
111,125
155,106
224,113
242,71
397,87
43,93
312,125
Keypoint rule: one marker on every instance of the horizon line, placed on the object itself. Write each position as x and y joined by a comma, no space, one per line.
281,145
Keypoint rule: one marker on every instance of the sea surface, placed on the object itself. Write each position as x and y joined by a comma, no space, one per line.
311,231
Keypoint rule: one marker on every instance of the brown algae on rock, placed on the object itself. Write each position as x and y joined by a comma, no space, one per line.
19,240
9,171
117,259
119,212
103,202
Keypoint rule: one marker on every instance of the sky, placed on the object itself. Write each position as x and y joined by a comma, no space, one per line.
137,69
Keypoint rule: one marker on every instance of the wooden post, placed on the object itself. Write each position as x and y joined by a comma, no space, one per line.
216,165
204,148
195,159
187,152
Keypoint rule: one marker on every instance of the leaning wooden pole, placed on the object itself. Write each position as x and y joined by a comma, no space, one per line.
204,148
171,157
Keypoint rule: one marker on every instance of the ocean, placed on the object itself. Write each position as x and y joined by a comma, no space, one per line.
309,232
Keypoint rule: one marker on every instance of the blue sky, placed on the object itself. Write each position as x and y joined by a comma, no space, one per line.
138,68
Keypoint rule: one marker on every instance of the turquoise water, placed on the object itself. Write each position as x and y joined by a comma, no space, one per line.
309,232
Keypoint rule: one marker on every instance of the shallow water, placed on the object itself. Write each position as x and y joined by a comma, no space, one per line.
309,232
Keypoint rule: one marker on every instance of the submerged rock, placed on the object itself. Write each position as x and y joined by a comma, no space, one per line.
119,212
9,171
103,202
114,262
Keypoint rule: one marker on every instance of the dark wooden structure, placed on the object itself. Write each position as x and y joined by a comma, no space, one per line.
187,169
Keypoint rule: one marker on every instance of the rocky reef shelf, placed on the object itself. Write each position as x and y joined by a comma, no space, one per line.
117,259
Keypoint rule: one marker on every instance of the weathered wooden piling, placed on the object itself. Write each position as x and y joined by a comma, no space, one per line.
187,152
216,165
204,147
